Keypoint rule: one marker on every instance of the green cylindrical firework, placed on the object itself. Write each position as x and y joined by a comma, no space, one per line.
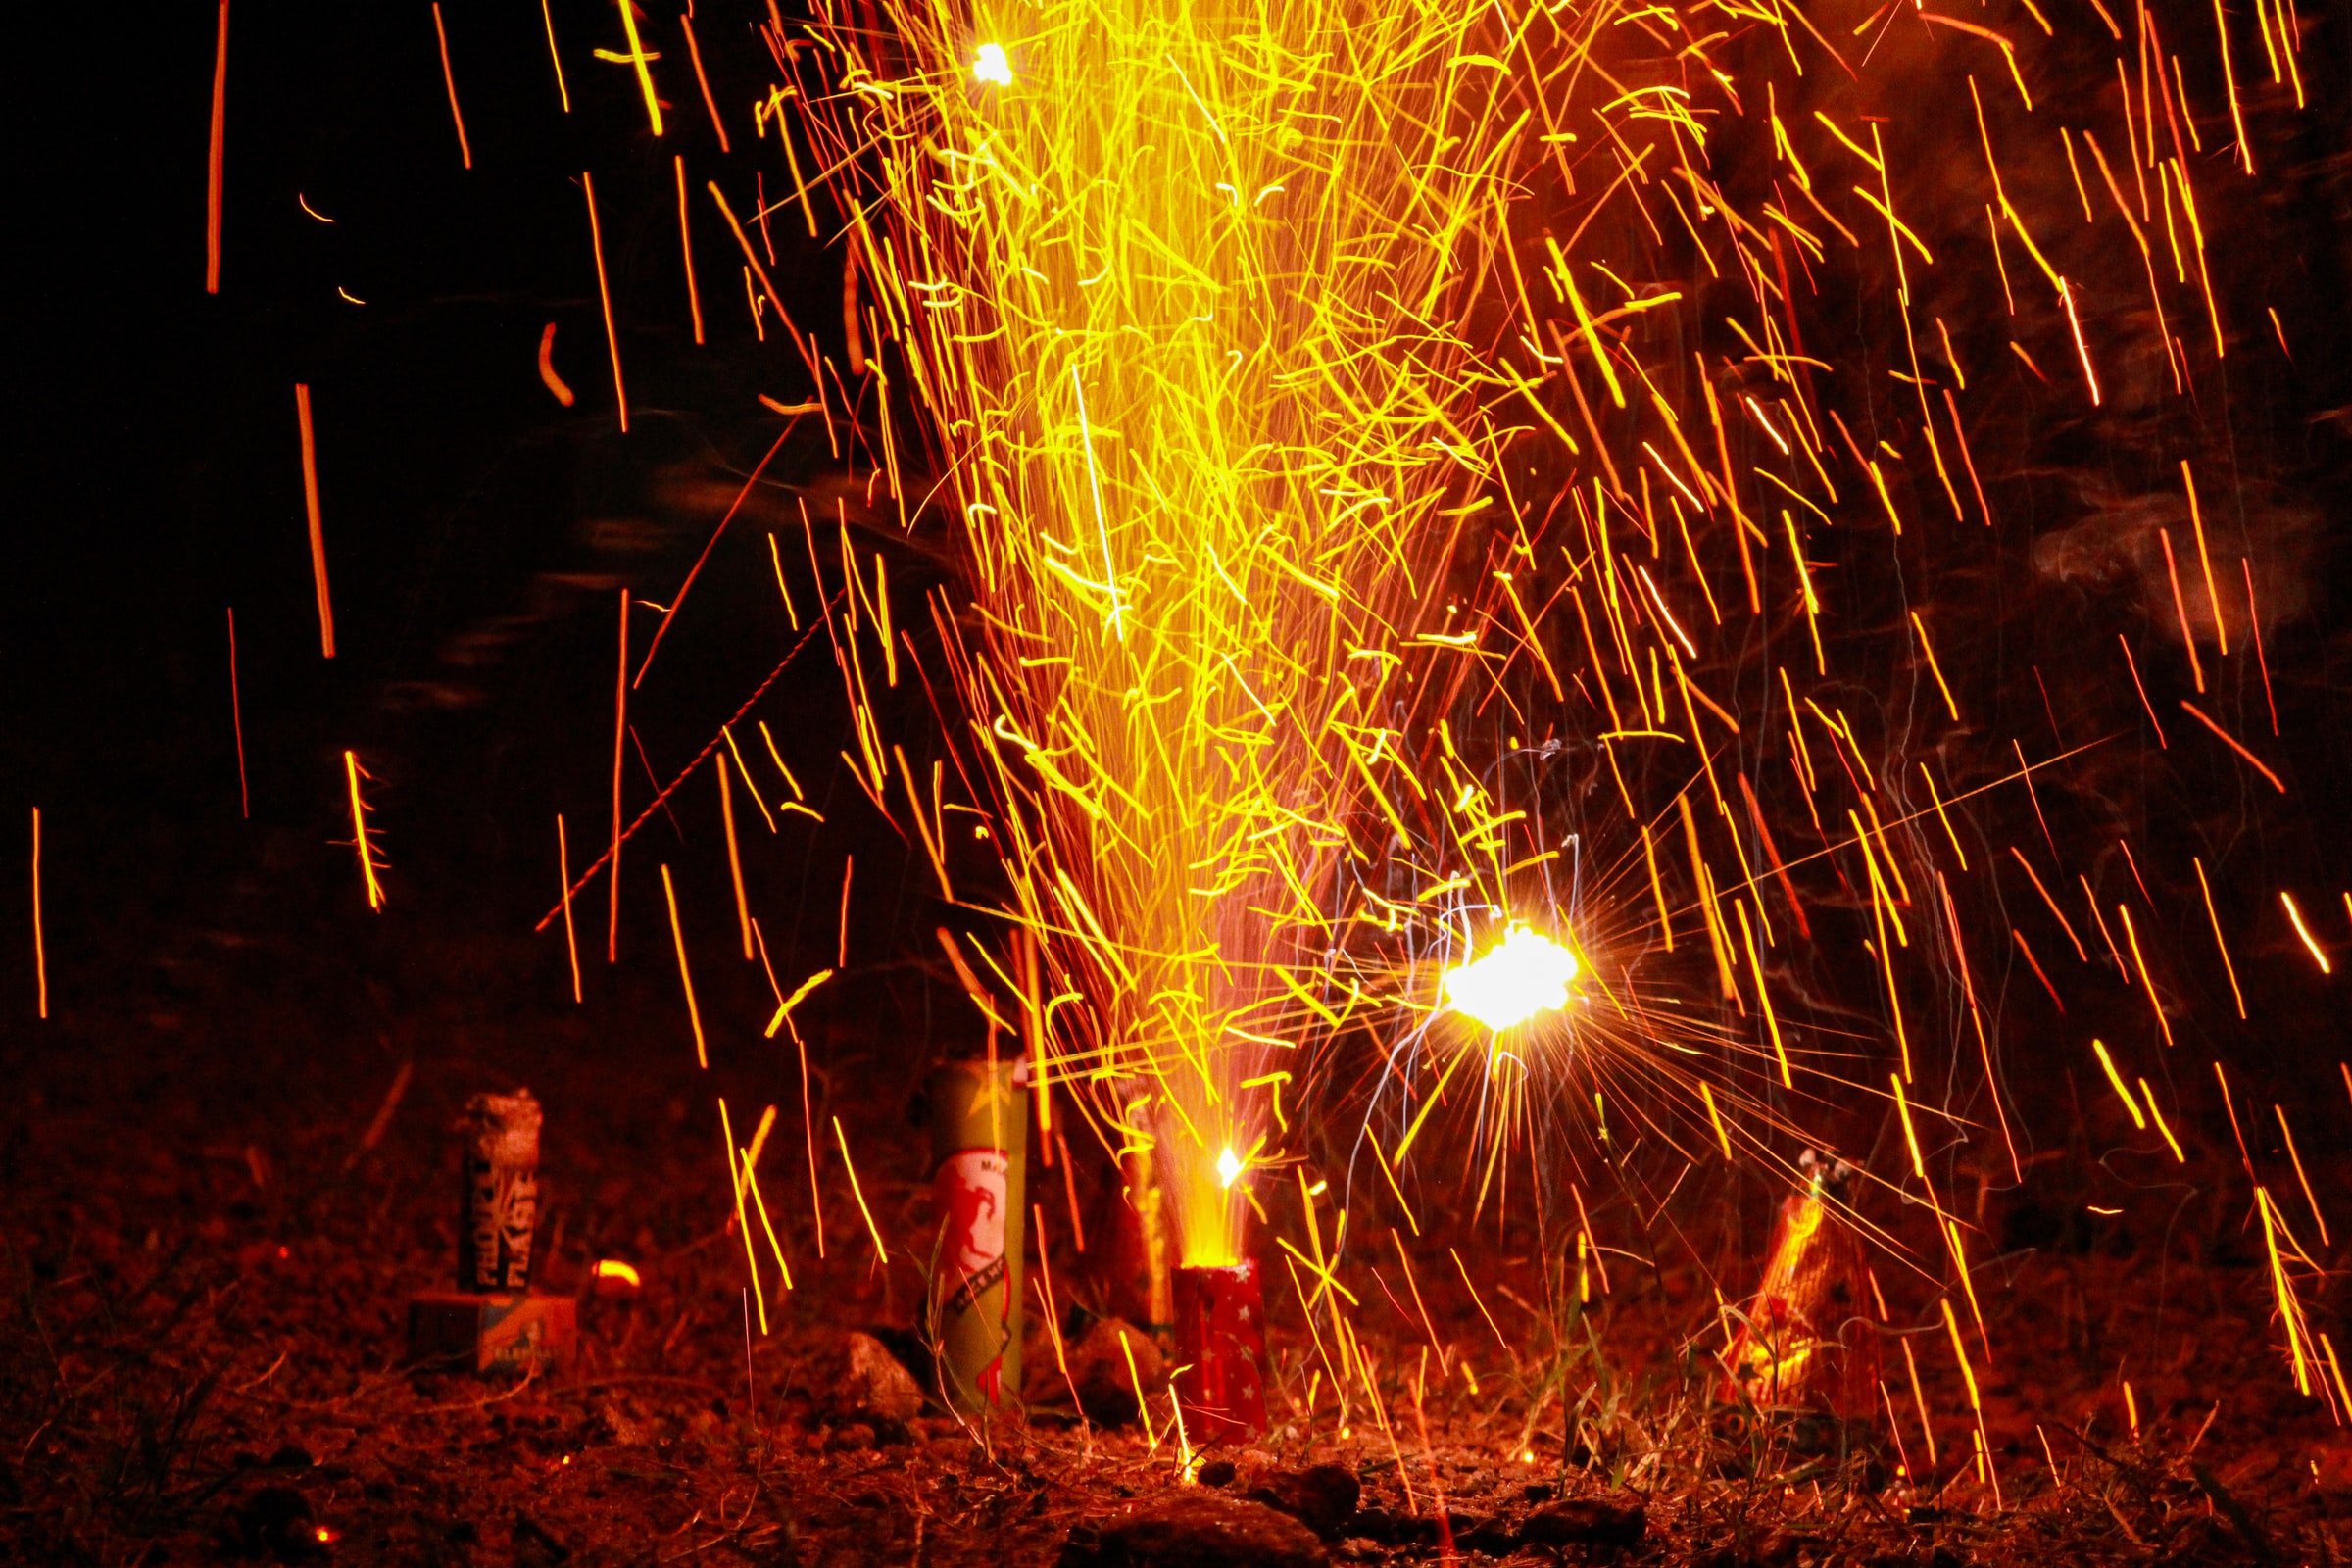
979,1138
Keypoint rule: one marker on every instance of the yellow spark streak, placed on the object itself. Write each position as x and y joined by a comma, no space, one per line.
693,1015
359,834
2131,1105
735,1180
2157,1115
637,58
881,1253
2318,953
784,1008
1715,1119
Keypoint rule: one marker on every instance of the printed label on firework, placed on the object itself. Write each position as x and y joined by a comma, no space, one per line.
969,1189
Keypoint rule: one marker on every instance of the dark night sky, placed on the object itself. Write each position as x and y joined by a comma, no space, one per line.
476,533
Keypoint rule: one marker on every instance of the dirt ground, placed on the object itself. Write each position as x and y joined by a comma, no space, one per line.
220,1191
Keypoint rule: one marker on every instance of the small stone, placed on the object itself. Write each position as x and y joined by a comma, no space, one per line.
1194,1529
1497,1537
1320,1496
1377,1524
1217,1473
854,1437
1100,1374
873,1383
1585,1522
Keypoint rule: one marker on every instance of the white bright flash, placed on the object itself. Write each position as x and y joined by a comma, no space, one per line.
1229,1168
1520,976
992,66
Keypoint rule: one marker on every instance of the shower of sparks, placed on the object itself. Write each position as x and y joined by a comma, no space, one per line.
1395,499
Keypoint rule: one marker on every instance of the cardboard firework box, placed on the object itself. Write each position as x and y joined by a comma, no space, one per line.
492,1321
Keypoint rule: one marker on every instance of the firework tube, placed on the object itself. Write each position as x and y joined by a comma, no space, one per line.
1221,1349
501,1142
979,1133
1807,1343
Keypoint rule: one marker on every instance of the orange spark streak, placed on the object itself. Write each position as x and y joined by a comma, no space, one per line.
693,1015
40,950
841,954
2237,1133
2232,742
1934,668
1967,459
450,80
604,291
2036,964
2137,685
212,194
548,16
2225,964
2295,1155
2294,914
359,829
236,717
547,368
695,54
726,813
2189,636
621,730
309,500
2237,118
2213,597
2261,658
572,945
2132,936
744,241
694,296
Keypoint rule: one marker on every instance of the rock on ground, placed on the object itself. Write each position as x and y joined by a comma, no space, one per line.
1194,1529
1585,1522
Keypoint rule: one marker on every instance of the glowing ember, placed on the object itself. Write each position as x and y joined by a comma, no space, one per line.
1229,1167
992,66
1520,976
